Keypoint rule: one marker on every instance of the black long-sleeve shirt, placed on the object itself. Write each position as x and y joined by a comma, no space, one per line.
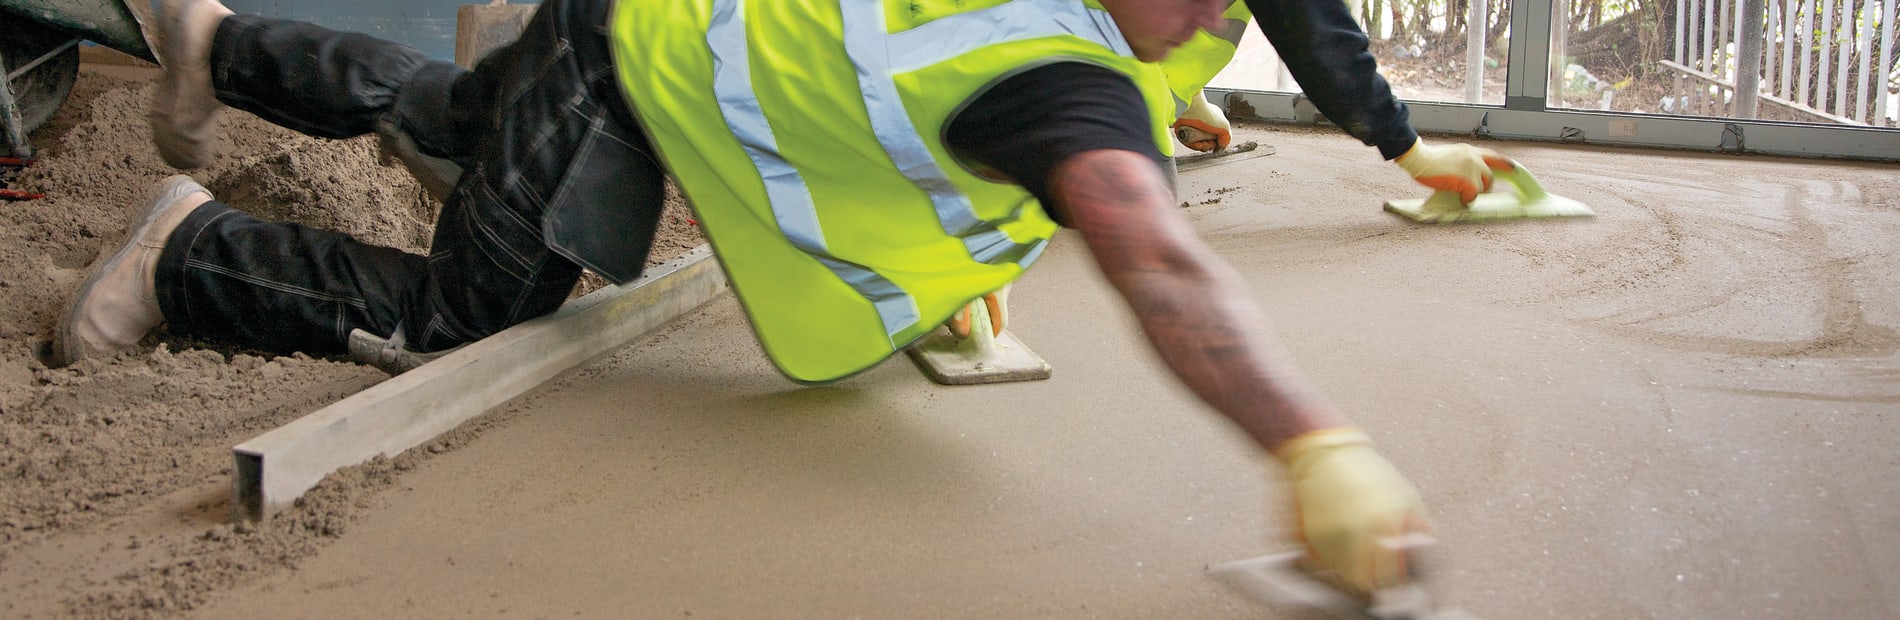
1325,50
1025,125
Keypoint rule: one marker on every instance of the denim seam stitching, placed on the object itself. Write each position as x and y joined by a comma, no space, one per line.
184,266
494,246
273,284
521,261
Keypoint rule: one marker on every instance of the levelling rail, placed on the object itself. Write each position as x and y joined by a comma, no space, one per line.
274,469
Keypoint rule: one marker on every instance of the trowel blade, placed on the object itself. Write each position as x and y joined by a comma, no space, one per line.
950,361
1517,196
1488,206
1279,580
1244,150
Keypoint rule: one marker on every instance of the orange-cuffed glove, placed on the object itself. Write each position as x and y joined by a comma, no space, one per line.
997,303
1203,127
1349,501
1459,168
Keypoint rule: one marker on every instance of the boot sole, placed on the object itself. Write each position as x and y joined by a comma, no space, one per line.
179,147
67,346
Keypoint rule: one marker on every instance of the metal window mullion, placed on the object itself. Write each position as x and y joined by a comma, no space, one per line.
1886,61
1527,79
1748,57
1559,50
1474,50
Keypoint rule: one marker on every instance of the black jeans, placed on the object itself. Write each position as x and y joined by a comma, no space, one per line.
557,176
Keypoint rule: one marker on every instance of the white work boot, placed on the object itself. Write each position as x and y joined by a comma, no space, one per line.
118,304
184,105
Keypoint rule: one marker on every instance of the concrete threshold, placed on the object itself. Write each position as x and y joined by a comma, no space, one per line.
274,469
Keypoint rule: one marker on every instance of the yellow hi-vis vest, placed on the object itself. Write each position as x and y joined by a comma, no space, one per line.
1195,63
808,135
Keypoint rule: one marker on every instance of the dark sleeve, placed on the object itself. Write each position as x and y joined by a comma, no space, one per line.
1025,125
1325,50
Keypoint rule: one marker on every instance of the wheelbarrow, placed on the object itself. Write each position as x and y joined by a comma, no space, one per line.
40,54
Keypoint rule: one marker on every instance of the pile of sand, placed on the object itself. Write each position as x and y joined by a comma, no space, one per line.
103,449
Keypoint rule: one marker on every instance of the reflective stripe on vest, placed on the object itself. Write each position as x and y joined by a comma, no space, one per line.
808,134
791,201
869,47
866,43
959,34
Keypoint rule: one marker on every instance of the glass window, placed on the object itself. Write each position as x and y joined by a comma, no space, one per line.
1424,50
1815,61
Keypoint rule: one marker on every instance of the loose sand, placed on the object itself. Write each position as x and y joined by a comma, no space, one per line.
103,449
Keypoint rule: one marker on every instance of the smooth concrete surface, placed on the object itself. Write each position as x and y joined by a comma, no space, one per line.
1683,408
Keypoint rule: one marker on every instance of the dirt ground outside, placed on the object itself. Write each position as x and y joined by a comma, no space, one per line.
104,439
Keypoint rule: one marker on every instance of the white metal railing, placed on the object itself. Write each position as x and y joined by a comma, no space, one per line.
1806,60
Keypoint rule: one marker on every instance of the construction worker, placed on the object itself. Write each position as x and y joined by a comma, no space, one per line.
1199,125
862,169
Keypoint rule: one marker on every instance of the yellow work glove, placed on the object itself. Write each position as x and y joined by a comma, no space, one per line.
996,303
1349,501
1203,127
1459,168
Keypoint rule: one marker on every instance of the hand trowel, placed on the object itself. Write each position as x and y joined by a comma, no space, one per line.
987,355
1287,580
1529,200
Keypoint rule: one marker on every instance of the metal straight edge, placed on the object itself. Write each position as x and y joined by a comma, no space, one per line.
274,469
1527,74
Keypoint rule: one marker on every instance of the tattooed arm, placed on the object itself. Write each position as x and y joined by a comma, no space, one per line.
1194,308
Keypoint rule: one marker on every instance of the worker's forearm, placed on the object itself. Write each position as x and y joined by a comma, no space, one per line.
1193,307
1217,341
